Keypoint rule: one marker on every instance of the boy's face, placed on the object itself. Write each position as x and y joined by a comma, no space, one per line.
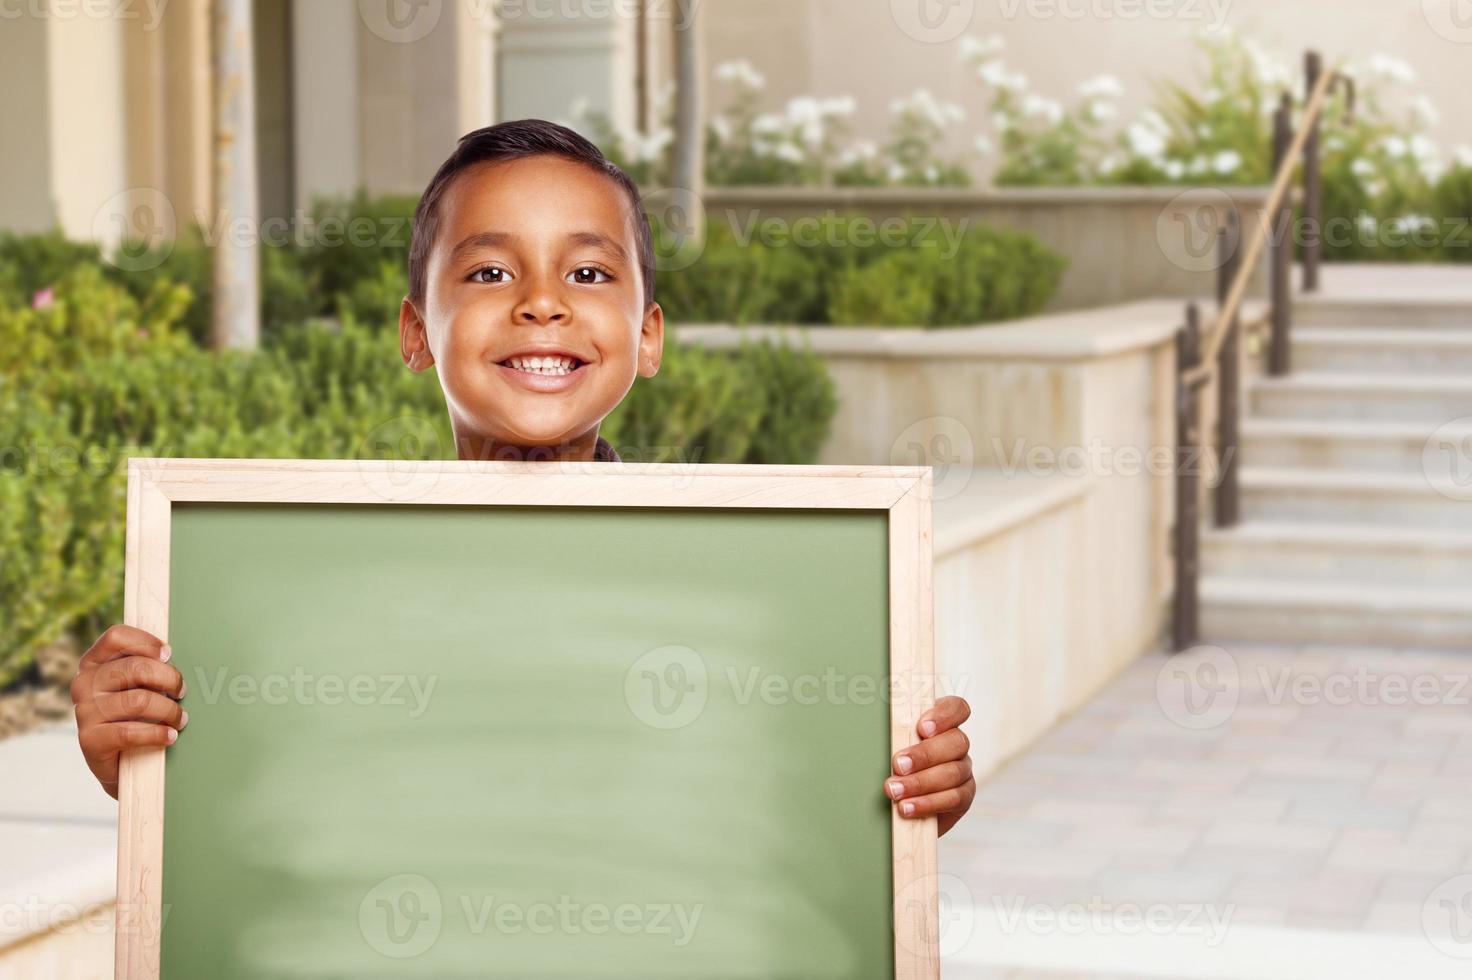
533,258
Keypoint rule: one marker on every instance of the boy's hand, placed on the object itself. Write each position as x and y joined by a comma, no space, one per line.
933,777
126,697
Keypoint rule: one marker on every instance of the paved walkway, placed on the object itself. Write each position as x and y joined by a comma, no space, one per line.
1215,813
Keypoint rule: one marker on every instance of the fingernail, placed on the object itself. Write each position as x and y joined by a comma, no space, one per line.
927,728
173,735
904,764
165,653
183,687
183,719
907,808
896,788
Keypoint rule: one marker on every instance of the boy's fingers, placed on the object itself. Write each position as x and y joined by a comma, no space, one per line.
136,704
122,641
947,775
134,672
945,747
946,801
946,714
118,736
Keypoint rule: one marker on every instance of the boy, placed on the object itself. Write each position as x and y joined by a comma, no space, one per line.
531,290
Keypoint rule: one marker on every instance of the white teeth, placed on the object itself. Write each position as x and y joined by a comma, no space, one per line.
554,365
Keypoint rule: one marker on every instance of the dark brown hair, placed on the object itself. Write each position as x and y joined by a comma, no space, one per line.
510,141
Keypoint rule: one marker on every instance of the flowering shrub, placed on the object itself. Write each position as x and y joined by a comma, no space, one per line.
809,143
1383,177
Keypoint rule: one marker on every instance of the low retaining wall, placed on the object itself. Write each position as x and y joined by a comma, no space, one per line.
1052,440
1122,243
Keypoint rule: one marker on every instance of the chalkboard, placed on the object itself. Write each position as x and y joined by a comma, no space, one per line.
529,720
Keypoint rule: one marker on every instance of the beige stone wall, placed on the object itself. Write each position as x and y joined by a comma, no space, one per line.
842,47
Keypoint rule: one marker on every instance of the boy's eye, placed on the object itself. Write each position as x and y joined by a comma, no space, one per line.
501,274
585,274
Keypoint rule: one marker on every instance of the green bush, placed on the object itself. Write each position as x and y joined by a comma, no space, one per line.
101,375
854,277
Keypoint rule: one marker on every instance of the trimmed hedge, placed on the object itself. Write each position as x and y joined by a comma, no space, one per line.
102,374
988,274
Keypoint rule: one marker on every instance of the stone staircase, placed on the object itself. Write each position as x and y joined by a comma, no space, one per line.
1344,538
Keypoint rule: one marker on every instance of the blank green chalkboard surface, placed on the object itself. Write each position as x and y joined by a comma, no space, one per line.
529,721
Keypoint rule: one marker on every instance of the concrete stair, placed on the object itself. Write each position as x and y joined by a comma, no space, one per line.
1345,537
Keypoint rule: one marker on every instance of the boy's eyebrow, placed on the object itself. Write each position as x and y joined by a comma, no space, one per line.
500,239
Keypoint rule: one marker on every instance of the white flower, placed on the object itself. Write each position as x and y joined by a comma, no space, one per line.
931,173
1362,168
1036,105
1174,169
767,124
1101,87
995,74
1108,165
1334,143
923,104
1145,141
1384,66
646,149
1463,155
1102,111
1199,164
1211,96
1394,146
981,47
1155,122
1001,122
1422,148
1423,107
983,145
741,73
789,152
896,172
1367,223
1227,162
722,126
1375,188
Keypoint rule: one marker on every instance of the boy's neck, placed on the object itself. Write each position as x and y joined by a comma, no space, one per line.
483,448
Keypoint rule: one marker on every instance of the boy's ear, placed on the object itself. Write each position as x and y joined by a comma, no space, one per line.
413,338
651,341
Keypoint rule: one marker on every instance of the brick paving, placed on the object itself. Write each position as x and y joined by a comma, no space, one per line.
1294,789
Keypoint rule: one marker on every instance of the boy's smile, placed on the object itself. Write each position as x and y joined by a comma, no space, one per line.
534,309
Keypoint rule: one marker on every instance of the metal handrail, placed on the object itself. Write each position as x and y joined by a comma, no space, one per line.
1217,334
1215,353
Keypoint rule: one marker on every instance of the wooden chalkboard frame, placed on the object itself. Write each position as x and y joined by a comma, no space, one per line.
905,492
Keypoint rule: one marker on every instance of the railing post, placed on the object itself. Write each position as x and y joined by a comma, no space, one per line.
1281,256
1226,510
1313,186
1184,627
